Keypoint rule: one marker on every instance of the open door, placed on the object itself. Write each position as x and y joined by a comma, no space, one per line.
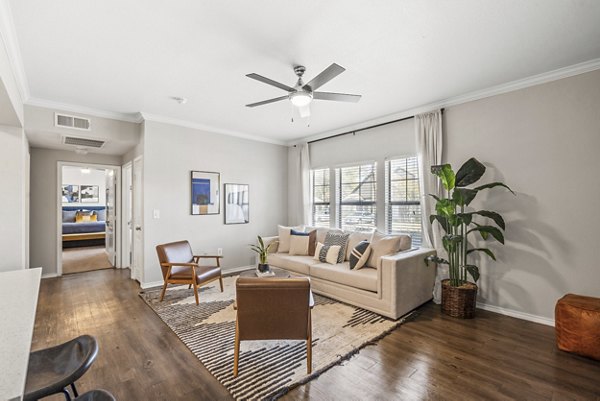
137,260
111,217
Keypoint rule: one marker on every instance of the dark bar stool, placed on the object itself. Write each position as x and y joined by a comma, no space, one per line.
53,370
96,395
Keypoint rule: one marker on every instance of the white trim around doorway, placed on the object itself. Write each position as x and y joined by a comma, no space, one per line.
59,167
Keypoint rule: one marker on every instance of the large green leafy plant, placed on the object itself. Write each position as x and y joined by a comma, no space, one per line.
458,221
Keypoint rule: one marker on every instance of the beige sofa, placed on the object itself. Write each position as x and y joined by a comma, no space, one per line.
401,282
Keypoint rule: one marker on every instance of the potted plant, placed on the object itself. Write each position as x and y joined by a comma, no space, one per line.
263,252
458,293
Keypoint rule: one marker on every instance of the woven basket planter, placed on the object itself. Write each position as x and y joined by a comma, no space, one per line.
459,301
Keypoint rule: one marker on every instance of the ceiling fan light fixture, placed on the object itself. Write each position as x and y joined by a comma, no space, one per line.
301,98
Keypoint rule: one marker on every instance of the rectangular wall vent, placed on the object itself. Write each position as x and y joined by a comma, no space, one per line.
66,121
83,142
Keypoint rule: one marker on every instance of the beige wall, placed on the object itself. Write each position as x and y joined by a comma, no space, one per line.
170,154
543,141
44,207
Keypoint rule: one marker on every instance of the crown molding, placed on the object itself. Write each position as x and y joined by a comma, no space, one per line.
215,130
512,86
72,108
8,34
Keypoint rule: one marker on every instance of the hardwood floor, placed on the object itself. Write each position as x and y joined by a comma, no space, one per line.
85,259
492,357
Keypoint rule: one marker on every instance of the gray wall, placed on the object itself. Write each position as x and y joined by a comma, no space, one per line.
44,207
14,165
543,141
170,154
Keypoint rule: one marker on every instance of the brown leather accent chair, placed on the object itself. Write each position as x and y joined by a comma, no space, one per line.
273,309
180,266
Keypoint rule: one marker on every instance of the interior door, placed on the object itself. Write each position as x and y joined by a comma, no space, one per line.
111,191
137,260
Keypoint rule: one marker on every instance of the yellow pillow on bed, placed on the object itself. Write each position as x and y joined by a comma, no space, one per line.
85,217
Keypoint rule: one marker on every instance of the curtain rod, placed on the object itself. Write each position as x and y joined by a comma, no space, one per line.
366,128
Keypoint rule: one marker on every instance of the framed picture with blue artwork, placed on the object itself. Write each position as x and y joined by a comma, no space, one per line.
205,193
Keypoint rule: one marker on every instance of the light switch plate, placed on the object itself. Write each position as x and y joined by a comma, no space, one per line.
220,251
156,213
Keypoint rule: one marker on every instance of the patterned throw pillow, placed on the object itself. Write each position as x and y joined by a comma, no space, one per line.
359,255
337,239
327,253
84,216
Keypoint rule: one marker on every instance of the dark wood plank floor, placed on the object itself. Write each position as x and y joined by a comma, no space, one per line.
492,357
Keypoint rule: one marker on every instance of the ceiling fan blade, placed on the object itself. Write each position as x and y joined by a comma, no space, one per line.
277,99
325,76
338,97
304,111
271,82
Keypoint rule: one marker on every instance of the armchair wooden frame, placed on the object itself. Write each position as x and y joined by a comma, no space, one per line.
192,281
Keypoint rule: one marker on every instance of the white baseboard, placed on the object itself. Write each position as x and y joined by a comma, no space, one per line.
519,315
49,275
152,284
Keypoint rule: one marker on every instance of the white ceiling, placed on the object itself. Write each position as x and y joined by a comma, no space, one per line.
131,56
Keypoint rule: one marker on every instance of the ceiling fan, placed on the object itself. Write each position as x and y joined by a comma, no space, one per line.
301,95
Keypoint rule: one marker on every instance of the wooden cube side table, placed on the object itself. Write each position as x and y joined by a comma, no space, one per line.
577,323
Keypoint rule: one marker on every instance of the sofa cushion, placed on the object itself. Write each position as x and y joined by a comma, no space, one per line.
382,245
337,239
298,264
68,216
359,255
354,239
284,237
303,243
321,232
327,253
364,279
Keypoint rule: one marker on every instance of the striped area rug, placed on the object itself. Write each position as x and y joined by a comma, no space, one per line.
267,369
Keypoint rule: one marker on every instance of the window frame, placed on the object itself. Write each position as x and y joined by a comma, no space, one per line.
338,194
389,203
312,195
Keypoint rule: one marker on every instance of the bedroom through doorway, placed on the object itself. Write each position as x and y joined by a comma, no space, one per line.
88,217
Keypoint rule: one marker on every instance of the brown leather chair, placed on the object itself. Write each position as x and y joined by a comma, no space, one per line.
180,266
273,309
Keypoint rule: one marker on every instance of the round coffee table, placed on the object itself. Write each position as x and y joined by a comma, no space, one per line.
279,273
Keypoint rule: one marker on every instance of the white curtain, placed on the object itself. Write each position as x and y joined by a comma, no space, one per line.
428,130
298,185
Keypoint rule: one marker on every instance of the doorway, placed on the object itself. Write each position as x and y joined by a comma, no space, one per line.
89,198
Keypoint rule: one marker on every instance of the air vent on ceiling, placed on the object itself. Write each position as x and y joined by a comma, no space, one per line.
83,142
66,121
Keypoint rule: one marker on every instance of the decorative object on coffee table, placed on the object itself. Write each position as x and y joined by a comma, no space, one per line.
458,294
205,192
237,204
274,273
263,253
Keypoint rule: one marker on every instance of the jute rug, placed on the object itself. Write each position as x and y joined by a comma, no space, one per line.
267,369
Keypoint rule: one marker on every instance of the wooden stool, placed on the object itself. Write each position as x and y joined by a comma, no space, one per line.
577,322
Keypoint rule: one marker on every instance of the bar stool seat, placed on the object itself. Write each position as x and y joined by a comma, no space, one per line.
52,370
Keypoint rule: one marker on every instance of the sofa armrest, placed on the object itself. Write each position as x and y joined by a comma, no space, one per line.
407,277
274,240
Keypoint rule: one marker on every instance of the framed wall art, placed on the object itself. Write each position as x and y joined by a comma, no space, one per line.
205,192
70,193
237,204
89,194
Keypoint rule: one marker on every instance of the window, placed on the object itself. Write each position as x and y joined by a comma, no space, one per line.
320,197
356,197
403,200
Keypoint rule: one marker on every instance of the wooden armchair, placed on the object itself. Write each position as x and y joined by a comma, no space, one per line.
180,266
273,309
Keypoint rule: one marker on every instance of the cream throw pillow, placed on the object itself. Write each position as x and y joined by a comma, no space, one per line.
331,256
284,237
382,245
299,244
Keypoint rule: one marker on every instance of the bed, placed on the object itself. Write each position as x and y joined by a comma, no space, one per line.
87,233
